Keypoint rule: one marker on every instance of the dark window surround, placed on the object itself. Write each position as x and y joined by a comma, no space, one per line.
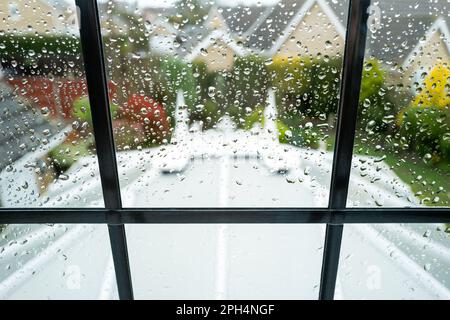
115,216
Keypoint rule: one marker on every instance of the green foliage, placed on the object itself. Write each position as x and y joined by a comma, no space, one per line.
310,86
40,54
444,146
179,76
257,116
247,86
66,154
283,136
82,110
306,137
374,100
425,123
426,129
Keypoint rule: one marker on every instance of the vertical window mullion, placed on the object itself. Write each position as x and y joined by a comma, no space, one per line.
345,135
92,47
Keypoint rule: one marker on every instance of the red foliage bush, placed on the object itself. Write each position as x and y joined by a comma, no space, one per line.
149,113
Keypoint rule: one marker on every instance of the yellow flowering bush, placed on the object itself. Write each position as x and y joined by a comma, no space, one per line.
435,91
426,121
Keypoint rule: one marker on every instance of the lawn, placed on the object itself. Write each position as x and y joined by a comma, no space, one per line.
429,181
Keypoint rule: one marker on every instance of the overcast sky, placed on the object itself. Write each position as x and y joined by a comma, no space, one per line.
169,3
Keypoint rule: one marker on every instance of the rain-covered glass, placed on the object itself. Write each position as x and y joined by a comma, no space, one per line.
402,147
47,149
56,262
226,261
220,104
393,261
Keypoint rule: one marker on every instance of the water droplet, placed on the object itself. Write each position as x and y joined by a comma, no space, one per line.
63,177
211,92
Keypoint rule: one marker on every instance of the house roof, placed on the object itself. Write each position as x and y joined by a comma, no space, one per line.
283,14
241,19
22,128
211,39
404,24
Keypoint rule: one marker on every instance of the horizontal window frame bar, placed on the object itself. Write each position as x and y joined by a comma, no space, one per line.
224,215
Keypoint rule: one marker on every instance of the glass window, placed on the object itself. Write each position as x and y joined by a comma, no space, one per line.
56,262
213,100
403,138
47,147
395,261
225,261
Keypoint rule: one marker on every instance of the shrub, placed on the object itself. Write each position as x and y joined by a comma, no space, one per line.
257,116
246,87
424,128
306,137
148,113
374,103
207,108
66,154
178,76
425,123
445,145
435,92
82,110
310,86
41,54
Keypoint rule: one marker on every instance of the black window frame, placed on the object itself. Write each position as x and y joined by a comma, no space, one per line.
335,216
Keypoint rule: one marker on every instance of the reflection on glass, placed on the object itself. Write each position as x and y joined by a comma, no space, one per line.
56,262
212,99
395,262
402,144
225,261
47,150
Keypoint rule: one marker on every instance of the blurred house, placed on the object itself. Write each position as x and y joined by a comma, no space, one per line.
163,36
39,16
289,28
218,51
307,28
408,41
411,43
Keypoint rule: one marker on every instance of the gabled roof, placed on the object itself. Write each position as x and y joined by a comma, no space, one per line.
272,33
241,20
212,38
215,13
161,22
439,26
404,24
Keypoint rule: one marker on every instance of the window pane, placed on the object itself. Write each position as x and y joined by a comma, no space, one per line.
56,262
402,143
47,148
225,261
213,100
395,262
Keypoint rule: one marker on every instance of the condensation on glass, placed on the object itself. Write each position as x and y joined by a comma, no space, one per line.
47,149
394,261
224,106
56,262
402,147
228,262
